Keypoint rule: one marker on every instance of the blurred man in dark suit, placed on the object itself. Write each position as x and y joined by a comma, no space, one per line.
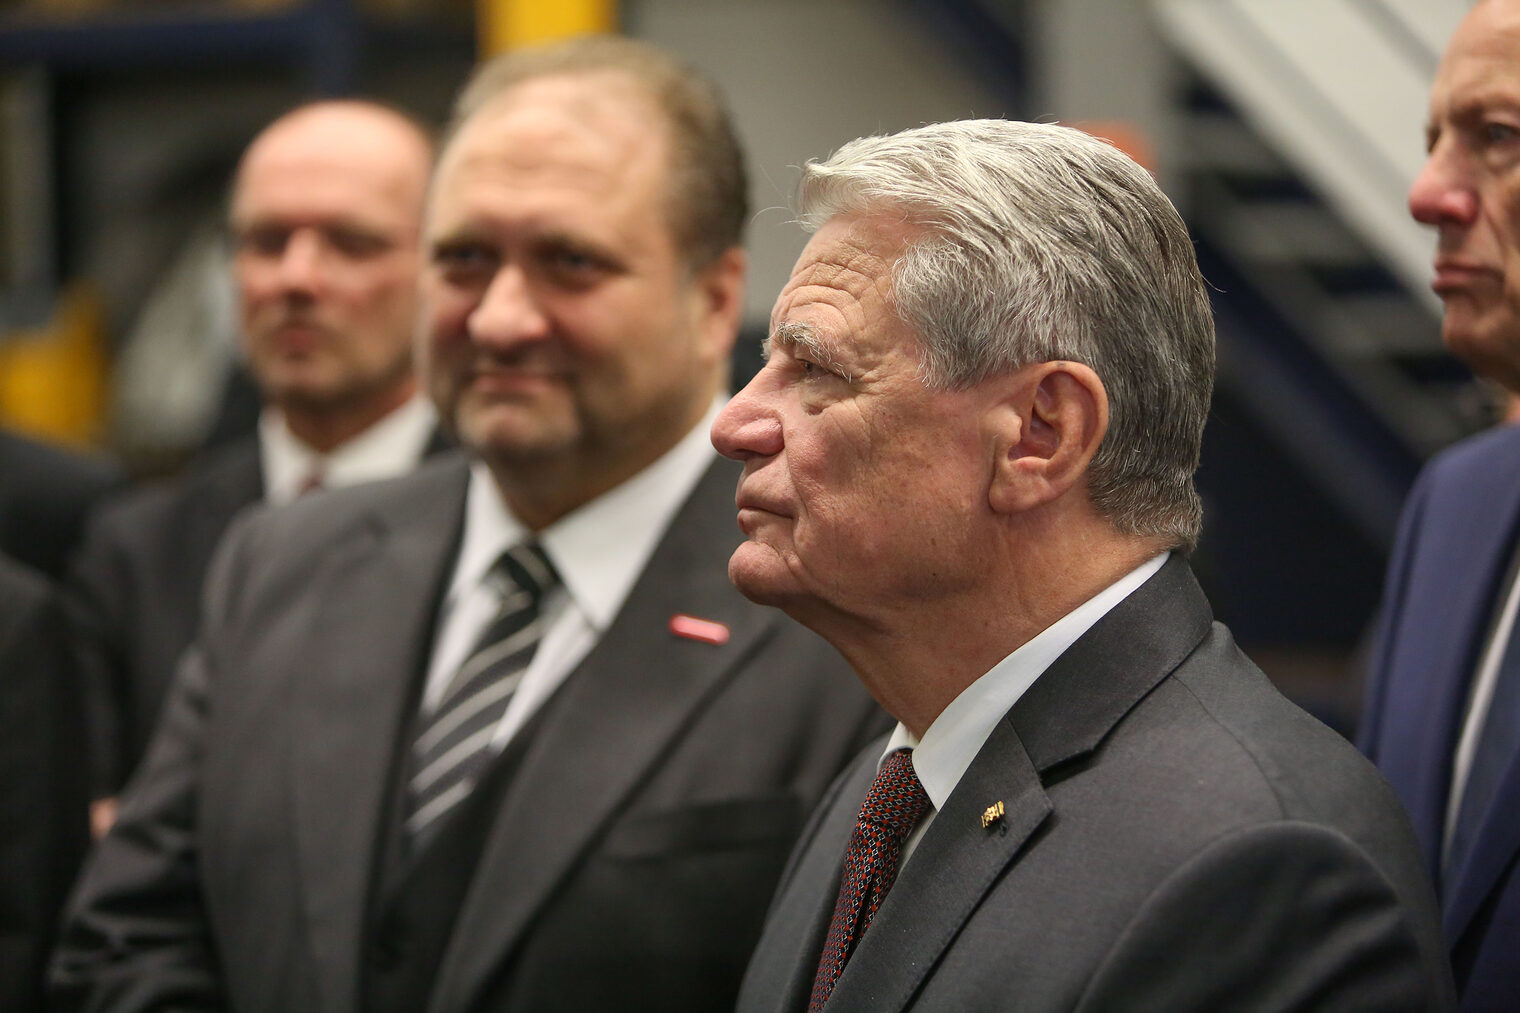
326,214
499,735
43,798
1442,714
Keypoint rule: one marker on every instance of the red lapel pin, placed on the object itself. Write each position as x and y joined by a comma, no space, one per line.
692,628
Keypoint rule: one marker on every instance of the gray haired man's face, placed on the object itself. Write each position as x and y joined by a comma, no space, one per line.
860,482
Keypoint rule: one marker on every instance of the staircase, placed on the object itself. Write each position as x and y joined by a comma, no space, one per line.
1300,131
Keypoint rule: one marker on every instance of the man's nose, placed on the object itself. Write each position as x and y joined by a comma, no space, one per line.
508,312
301,261
749,426
1444,193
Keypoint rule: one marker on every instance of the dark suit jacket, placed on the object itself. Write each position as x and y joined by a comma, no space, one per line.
1177,837
632,857
135,593
43,829
1455,543
45,492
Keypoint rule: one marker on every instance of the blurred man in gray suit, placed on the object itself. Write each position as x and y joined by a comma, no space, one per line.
968,463
499,735
325,220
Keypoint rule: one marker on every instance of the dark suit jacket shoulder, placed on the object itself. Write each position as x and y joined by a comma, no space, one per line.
45,494
1176,836
1456,540
134,594
42,781
629,864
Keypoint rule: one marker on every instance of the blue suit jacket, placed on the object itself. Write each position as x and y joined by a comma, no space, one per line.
1455,541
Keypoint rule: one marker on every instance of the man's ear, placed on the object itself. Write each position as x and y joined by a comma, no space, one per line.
717,294
1044,433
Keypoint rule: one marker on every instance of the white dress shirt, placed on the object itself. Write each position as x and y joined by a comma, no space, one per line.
599,551
390,447
949,745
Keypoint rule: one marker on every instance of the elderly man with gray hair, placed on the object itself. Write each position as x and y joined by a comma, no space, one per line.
968,464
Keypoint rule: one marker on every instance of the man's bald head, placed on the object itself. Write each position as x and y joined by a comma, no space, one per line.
326,216
360,126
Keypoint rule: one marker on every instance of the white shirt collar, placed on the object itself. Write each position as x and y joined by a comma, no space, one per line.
949,745
390,447
601,547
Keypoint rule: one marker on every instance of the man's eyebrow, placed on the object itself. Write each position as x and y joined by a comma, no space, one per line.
807,338
1480,103
454,235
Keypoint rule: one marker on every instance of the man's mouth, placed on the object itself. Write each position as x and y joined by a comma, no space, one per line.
297,336
754,511
508,380
1453,275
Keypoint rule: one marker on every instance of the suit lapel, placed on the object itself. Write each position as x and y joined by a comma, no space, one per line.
632,696
954,866
1073,706
375,592
787,958
1065,715
1495,850
1458,569
231,483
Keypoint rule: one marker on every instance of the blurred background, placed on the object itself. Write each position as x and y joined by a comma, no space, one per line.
1287,132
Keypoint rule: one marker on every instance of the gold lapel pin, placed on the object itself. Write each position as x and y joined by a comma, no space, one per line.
992,814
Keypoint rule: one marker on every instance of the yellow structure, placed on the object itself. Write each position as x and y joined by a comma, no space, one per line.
53,380
512,24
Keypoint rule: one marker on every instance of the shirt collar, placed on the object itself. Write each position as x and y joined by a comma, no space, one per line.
601,547
390,447
949,745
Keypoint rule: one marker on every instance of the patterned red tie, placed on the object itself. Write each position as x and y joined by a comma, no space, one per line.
312,481
893,807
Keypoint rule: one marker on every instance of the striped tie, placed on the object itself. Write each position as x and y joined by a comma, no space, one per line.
453,746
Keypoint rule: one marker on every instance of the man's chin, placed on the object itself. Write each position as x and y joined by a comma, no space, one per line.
303,393
1490,346
506,434
760,575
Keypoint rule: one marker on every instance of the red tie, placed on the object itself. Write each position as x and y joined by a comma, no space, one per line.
311,481
893,807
